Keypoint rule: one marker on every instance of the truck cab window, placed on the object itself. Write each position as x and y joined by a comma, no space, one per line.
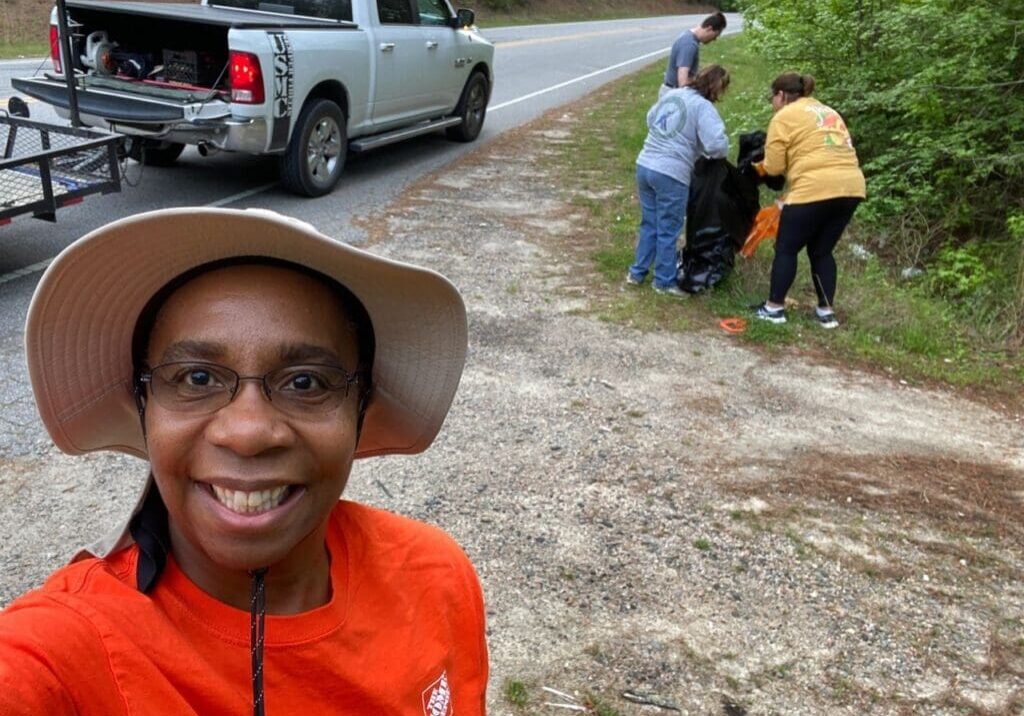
433,12
395,12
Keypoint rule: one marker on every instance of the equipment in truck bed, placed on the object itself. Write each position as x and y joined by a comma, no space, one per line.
46,166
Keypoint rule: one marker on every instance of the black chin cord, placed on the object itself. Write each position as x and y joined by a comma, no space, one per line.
257,616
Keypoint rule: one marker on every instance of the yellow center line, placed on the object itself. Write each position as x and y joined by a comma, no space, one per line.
28,100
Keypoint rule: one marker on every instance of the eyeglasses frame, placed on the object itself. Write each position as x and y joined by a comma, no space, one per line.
145,377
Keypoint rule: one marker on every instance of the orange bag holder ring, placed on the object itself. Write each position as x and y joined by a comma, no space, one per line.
733,325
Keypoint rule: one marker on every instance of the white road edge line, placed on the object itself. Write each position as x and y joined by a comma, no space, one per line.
25,271
582,78
242,195
260,189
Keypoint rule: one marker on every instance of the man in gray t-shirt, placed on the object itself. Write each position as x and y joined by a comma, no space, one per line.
684,59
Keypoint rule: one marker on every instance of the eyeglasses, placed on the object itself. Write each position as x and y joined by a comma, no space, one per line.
200,388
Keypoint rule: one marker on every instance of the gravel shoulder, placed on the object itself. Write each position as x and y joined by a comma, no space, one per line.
674,516
661,516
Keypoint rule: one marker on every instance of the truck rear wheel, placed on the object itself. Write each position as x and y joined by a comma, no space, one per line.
315,157
153,152
472,108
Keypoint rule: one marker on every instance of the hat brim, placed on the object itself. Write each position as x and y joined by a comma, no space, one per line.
82,317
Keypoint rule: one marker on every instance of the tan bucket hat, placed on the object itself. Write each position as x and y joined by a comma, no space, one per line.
78,335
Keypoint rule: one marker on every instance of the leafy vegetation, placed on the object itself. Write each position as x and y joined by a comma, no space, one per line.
934,93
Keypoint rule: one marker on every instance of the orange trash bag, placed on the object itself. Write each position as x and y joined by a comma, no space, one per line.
766,226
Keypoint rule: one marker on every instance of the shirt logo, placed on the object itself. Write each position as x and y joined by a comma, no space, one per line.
437,698
669,117
832,126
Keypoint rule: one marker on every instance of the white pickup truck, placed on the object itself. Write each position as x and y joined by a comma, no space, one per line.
307,80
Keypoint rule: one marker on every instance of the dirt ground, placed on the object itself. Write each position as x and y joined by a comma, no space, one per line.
662,522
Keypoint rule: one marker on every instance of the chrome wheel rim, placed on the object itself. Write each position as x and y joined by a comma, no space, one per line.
323,151
476,105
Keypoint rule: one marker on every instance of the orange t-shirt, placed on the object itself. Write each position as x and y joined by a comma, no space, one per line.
403,633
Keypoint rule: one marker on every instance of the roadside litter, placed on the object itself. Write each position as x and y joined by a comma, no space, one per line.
565,701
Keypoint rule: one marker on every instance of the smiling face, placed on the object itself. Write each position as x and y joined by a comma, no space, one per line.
250,485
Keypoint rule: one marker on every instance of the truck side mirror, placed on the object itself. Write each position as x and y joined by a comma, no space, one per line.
463,18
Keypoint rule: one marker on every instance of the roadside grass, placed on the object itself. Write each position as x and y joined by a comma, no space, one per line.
887,323
15,50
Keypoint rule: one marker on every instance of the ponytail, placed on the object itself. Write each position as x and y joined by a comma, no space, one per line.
807,85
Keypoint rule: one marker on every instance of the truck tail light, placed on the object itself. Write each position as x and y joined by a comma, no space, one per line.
55,48
246,78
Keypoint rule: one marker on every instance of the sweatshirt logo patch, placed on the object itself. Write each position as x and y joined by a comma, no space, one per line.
437,698
832,126
669,117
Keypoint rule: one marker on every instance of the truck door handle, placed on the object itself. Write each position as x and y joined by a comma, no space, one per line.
387,47
431,44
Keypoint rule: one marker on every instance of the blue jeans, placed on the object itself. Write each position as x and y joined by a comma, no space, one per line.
662,214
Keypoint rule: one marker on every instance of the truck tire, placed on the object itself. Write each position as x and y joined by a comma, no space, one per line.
315,157
153,152
472,109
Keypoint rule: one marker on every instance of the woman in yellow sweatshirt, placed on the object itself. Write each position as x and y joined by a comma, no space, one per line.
809,143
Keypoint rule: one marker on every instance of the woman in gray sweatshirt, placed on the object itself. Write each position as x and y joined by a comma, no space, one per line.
681,126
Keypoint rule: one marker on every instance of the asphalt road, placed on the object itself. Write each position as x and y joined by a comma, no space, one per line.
537,68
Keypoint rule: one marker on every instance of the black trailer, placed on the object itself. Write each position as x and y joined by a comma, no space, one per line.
46,166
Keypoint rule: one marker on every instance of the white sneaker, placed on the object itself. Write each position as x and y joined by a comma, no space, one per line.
772,315
630,281
672,290
827,320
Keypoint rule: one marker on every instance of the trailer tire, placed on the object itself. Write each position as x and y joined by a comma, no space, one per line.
315,157
154,153
472,109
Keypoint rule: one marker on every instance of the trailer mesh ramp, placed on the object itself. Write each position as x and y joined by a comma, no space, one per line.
45,166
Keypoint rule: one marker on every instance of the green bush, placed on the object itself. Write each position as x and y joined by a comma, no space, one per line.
959,272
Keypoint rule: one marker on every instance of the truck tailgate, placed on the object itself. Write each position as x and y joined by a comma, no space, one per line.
123,106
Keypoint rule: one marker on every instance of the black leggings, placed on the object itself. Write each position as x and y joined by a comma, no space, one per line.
818,226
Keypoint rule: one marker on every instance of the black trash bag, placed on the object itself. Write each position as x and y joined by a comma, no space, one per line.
752,150
723,202
708,257
720,212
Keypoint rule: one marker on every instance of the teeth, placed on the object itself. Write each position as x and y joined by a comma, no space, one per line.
250,503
